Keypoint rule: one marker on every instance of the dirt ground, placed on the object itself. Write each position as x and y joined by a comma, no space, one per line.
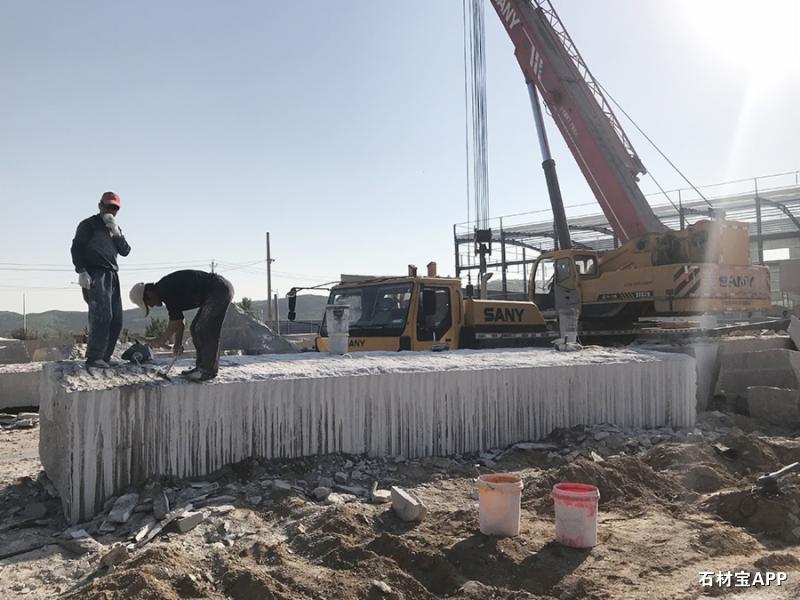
668,512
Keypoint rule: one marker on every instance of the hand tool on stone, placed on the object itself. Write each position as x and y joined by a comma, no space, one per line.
165,373
770,483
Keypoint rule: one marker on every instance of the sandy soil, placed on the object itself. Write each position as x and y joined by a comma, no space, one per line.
666,514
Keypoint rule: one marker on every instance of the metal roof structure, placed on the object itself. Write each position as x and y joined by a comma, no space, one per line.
771,212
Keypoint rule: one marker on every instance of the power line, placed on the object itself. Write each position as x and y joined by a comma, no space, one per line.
653,144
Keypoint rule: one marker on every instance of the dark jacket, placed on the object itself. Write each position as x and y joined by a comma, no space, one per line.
94,248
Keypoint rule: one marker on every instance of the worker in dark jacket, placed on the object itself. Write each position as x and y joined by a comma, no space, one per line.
185,290
98,241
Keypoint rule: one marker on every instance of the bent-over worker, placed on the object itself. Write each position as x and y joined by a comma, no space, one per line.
185,290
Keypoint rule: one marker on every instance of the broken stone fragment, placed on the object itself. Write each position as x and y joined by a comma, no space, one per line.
320,493
381,586
75,533
116,555
148,524
145,506
254,499
335,499
197,489
340,477
160,504
601,435
377,496
83,545
214,501
407,506
325,482
123,507
107,526
352,490
279,485
189,521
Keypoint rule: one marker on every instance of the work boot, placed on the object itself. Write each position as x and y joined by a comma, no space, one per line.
188,372
97,363
200,375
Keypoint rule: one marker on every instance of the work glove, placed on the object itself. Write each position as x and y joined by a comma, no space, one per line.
84,280
111,223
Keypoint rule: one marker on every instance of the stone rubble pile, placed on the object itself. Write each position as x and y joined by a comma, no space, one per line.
23,420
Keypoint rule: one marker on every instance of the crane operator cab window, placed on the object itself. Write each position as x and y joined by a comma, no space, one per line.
434,317
586,265
375,310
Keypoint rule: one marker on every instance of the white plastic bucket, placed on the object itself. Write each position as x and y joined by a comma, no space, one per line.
499,497
337,322
576,514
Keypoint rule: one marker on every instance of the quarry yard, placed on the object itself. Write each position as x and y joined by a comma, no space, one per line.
275,362
673,504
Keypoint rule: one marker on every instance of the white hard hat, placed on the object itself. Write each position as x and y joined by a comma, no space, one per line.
137,296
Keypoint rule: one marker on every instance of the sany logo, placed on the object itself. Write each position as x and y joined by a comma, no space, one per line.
356,343
511,315
506,10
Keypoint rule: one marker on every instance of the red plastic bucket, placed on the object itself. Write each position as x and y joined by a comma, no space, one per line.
576,514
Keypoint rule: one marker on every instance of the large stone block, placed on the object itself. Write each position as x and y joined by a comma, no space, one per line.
19,384
770,368
101,435
774,405
242,331
13,351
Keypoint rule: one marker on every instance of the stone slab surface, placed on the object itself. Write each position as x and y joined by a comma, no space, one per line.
747,343
102,434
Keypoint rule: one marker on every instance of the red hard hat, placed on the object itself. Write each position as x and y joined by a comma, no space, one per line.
110,198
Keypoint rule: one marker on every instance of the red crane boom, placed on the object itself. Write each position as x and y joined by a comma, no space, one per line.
550,61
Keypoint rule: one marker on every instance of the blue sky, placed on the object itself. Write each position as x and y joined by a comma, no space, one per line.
339,126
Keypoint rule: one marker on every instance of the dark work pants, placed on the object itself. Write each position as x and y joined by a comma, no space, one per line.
207,325
105,313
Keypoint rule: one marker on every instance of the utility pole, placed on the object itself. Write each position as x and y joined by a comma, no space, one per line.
269,283
213,264
277,317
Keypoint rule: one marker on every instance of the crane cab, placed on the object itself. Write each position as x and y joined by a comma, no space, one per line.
425,313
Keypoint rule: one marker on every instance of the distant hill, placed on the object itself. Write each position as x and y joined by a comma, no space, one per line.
310,307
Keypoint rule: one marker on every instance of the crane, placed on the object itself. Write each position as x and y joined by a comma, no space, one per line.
656,271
